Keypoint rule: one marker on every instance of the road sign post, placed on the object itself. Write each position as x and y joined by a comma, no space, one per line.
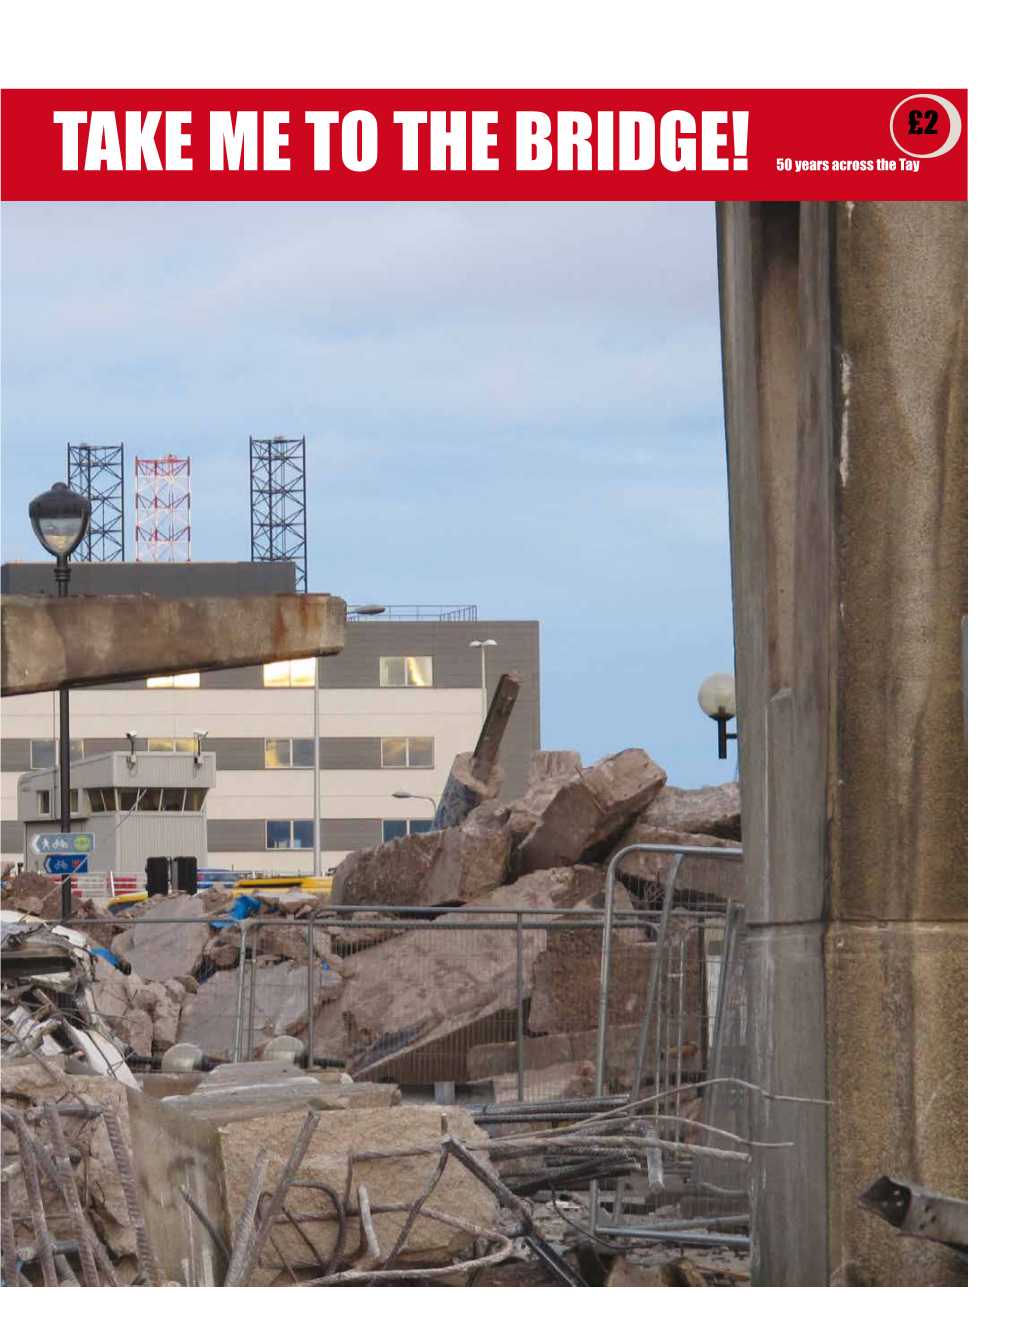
63,844
58,865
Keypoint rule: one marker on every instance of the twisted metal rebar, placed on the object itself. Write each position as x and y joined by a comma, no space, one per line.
151,1273
69,1189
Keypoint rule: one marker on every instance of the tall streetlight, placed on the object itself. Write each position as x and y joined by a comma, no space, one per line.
414,796
487,642
60,518
316,765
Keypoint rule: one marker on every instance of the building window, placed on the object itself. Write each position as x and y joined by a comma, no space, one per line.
405,672
44,752
401,828
44,802
172,744
289,674
102,799
297,752
165,800
407,751
290,833
188,680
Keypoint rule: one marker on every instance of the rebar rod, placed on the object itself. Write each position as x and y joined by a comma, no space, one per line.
370,1243
146,1257
294,1159
69,1189
247,1220
420,1201
12,1276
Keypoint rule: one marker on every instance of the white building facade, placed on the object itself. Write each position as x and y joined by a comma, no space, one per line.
402,699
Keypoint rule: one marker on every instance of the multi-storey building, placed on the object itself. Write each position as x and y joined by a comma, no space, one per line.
395,706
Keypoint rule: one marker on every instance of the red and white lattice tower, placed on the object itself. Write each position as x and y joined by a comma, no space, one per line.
163,509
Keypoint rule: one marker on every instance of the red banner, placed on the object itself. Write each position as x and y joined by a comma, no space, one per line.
478,144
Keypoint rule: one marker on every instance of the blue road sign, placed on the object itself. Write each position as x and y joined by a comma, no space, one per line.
63,844
66,865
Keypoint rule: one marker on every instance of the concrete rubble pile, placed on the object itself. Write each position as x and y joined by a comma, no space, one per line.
425,1006
258,1172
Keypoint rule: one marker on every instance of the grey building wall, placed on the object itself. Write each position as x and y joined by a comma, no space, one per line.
350,751
236,835
12,836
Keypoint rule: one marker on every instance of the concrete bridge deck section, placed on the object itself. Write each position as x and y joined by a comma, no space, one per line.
844,354
79,641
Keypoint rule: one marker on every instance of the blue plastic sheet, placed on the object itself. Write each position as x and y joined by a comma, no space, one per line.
245,905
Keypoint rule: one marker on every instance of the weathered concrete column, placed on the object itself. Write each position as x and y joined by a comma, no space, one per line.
844,339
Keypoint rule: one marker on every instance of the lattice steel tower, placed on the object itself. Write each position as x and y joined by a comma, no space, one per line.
98,473
163,509
279,529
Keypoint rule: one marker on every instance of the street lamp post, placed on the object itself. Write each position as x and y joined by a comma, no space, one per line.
414,796
483,644
60,518
316,780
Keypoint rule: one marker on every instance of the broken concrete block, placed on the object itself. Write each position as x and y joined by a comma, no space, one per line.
25,1084
223,950
472,860
165,950
138,1011
589,811
627,1273
706,810
292,943
494,1059
646,872
546,764
209,1018
360,930
388,1181
447,866
162,1001
567,972
393,873
564,1080
411,1008
470,784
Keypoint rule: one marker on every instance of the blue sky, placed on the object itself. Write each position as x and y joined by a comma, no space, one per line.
516,405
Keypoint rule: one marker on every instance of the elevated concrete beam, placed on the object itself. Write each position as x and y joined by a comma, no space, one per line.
49,643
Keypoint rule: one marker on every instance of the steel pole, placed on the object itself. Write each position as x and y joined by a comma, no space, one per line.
63,572
316,779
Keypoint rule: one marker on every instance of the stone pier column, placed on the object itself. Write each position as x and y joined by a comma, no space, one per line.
844,357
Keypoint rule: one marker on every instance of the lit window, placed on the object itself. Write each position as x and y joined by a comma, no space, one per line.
277,753
172,744
289,674
407,752
405,672
188,680
282,752
44,753
290,833
401,828
44,802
